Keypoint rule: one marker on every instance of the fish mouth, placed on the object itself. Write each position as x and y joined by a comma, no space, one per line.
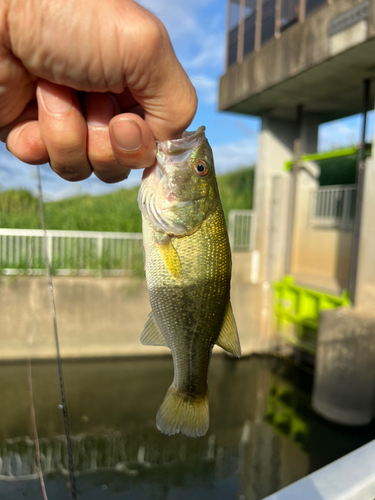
175,147
156,169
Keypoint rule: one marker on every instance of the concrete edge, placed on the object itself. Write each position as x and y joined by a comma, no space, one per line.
350,478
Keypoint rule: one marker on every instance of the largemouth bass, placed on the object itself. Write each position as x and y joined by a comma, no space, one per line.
188,271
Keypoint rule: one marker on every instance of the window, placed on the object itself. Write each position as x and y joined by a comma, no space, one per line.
249,27
234,18
268,20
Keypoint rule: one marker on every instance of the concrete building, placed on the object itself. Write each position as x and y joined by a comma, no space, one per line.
297,64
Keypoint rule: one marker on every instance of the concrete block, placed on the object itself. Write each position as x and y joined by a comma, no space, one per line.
344,379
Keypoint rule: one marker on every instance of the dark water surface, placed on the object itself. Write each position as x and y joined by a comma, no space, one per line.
263,434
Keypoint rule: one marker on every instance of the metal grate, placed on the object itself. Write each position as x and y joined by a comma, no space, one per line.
334,207
241,228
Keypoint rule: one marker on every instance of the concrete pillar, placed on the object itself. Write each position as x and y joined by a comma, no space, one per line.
365,285
344,377
271,200
309,133
275,147
308,181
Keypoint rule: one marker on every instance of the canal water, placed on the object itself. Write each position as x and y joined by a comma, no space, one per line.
263,434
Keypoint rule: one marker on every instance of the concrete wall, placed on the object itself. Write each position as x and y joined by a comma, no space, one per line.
365,288
305,66
321,257
101,316
324,253
95,317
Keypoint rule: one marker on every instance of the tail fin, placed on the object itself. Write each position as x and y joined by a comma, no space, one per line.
183,413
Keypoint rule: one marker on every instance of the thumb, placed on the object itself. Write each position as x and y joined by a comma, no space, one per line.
160,84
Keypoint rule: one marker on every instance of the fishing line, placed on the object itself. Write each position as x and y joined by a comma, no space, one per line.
35,431
64,407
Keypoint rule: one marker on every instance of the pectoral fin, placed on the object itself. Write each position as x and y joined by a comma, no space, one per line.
169,255
228,338
151,334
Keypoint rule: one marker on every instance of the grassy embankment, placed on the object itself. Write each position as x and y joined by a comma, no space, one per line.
119,211
113,212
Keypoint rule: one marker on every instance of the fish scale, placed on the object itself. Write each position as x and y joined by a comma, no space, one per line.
188,277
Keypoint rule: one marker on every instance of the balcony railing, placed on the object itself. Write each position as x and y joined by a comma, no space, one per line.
251,23
333,207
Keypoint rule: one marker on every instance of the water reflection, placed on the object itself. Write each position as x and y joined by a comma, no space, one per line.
262,435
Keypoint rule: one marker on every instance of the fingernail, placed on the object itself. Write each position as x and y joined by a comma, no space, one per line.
127,134
56,99
101,111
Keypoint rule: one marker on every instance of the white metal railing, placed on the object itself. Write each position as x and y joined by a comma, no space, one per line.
350,478
70,252
334,207
92,252
241,229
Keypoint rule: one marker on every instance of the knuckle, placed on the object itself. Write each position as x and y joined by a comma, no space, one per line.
35,149
101,158
63,143
154,34
136,160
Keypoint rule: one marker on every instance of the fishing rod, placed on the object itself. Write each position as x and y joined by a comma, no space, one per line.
63,406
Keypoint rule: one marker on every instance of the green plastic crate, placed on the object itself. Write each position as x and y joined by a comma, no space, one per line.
297,310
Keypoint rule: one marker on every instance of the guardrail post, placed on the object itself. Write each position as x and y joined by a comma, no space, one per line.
100,253
49,249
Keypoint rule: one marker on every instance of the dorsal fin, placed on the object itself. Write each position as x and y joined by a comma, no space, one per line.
228,338
151,334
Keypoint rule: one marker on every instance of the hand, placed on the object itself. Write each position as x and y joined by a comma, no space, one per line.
89,85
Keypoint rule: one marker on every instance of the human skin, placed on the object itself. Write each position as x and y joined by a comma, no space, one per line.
132,90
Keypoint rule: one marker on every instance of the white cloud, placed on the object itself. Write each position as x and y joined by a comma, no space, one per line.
337,135
18,175
210,54
14,174
55,188
207,88
344,133
198,38
179,17
234,155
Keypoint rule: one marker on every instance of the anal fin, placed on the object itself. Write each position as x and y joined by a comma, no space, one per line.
228,338
151,334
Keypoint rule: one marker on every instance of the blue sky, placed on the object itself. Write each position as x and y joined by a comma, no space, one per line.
197,31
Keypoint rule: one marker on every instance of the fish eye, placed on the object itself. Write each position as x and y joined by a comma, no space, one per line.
201,168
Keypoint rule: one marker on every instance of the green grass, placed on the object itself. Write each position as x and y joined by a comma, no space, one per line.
117,211
236,190
19,210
